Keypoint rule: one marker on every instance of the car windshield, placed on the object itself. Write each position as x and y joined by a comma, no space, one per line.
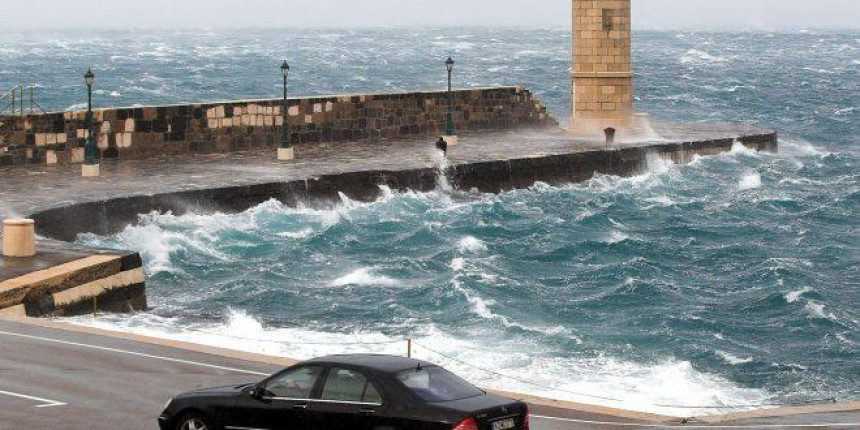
435,384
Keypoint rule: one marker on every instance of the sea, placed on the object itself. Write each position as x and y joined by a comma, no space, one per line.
726,284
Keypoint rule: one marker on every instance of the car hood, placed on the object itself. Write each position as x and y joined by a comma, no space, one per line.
218,391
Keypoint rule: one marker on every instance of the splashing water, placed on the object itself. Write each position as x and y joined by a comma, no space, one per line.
728,281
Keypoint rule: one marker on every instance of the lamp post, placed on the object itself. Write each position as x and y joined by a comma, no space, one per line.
450,134
90,167
285,151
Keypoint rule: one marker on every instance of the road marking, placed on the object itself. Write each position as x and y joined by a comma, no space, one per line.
45,403
137,354
683,426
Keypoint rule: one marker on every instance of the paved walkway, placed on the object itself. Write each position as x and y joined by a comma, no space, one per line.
27,190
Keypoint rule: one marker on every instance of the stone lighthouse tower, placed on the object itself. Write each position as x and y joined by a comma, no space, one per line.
602,67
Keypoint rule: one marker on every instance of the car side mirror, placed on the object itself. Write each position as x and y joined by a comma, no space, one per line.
256,392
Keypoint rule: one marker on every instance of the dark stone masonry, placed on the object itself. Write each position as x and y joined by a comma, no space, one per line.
151,131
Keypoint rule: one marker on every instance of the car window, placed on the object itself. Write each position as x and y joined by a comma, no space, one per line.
296,384
371,395
350,386
435,384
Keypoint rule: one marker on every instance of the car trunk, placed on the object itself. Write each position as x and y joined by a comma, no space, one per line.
493,412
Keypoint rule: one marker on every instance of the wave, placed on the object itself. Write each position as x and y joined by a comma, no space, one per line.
364,277
802,148
750,181
732,359
816,310
602,379
795,295
695,56
471,244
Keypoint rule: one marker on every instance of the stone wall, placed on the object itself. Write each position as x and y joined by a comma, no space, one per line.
145,132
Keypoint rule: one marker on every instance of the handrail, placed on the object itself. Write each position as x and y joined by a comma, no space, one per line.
16,105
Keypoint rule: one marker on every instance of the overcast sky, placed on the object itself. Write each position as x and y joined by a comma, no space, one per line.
651,14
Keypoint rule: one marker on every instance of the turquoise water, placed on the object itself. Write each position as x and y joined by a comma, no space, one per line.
729,281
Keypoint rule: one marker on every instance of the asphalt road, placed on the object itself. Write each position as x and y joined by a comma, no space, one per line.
55,379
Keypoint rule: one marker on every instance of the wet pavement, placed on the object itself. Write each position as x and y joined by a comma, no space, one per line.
24,191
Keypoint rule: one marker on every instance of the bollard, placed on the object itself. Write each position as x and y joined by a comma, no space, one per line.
19,238
285,154
409,348
90,170
610,135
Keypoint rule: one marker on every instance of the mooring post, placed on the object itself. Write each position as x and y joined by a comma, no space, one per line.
610,136
409,348
19,238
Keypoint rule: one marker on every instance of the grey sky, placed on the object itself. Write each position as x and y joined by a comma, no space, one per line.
651,14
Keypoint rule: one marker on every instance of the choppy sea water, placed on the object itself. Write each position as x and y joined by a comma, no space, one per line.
729,281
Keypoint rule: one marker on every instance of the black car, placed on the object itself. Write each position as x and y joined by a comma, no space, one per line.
348,392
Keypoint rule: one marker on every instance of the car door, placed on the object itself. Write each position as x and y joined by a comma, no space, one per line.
348,400
282,402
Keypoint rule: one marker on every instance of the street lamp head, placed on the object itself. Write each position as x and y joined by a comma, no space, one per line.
89,77
285,69
449,63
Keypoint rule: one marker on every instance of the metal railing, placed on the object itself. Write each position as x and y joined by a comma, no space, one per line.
15,103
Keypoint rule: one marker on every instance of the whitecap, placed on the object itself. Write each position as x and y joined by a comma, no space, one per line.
363,277
616,237
732,359
816,310
471,244
750,181
458,264
301,234
695,56
795,295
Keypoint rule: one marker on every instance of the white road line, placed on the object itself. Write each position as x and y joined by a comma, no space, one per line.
683,426
137,354
45,403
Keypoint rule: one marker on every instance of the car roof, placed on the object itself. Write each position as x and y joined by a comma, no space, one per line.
377,362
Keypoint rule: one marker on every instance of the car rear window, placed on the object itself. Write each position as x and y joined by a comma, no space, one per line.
435,384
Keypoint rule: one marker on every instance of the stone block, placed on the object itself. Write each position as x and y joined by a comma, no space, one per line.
90,170
51,157
40,139
77,155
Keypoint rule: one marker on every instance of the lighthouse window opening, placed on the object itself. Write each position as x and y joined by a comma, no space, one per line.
608,14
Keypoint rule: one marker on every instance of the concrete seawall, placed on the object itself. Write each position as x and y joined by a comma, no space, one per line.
109,216
65,280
